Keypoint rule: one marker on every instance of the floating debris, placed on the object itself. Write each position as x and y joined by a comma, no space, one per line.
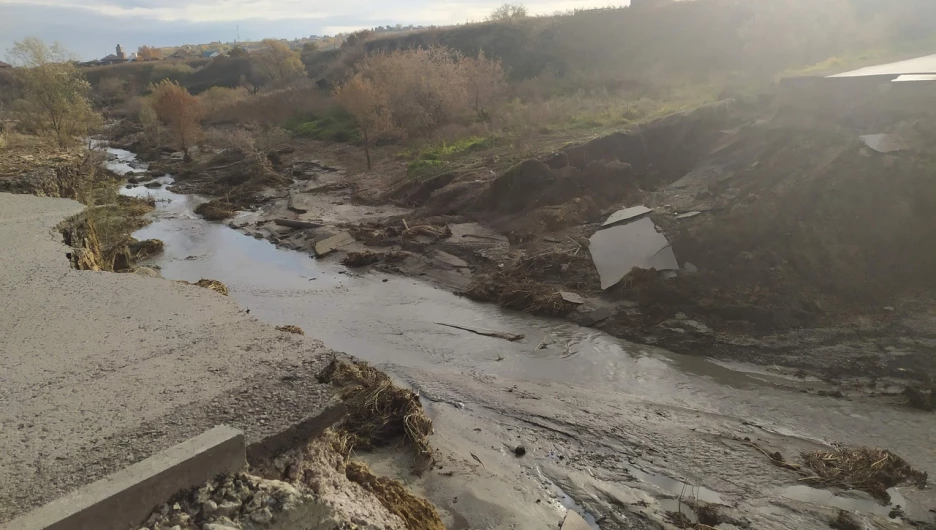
687,215
487,333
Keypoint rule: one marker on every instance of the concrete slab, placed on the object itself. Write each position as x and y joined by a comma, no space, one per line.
329,245
574,521
127,497
450,260
617,250
625,215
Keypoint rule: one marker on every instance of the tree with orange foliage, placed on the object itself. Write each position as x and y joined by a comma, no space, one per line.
276,63
368,104
179,110
149,53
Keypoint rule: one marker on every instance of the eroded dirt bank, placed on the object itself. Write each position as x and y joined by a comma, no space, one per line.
790,244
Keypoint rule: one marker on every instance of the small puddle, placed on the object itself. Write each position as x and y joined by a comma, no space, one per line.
852,504
678,488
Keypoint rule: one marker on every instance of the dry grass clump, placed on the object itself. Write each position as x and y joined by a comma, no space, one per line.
360,259
379,412
416,512
290,329
523,284
213,285
142,249
871,470
216,210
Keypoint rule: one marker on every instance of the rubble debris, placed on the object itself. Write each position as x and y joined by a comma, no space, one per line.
360,259
860,468
290,329
511,337
617,250
241,502
292,223
687,215
379,412
689,268
213,285
153,185
216,210
329,245
626,215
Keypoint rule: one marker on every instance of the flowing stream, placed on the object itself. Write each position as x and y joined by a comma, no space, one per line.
393,322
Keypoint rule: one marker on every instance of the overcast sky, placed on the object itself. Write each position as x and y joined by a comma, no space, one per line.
92,28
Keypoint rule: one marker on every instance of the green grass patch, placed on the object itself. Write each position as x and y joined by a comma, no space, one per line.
436,157
335,126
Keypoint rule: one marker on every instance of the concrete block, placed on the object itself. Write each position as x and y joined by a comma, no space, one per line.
127,497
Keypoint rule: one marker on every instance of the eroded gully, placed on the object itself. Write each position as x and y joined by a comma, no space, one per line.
393,322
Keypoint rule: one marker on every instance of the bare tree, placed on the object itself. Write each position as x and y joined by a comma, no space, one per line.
368,104
55,100
486,82
180,111
508,13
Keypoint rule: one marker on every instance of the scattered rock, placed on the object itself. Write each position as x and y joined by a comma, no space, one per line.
520,450
153,185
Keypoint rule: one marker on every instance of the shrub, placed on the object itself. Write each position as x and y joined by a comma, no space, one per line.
179,111
217,98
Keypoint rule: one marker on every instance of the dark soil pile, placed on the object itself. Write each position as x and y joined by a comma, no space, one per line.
533,283
216,210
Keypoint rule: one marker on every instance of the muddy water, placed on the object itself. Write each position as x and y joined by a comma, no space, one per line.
393,321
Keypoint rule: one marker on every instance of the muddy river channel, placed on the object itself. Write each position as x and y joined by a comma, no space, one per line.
621,432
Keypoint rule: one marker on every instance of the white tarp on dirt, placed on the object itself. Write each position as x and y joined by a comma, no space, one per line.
618,249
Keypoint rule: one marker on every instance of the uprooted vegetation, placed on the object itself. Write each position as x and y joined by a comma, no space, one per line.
379,412
870,470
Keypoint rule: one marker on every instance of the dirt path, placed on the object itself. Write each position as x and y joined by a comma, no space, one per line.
98,370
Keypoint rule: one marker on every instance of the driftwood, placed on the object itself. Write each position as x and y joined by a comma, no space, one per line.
296,224
487,333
